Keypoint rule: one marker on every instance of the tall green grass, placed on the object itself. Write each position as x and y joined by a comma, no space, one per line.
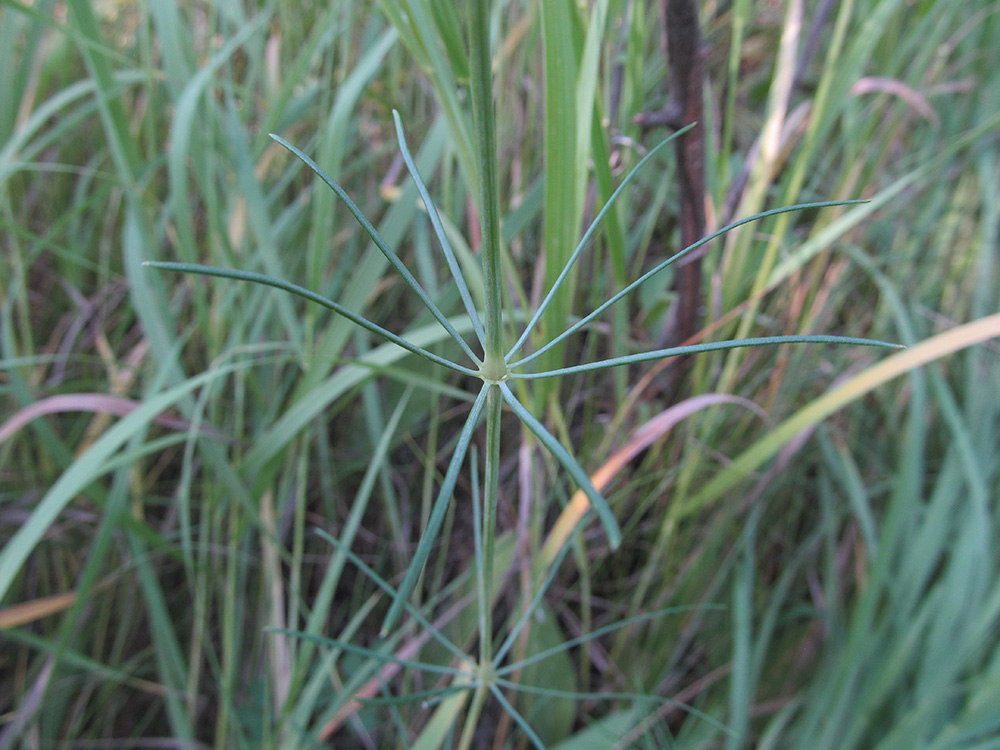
825,576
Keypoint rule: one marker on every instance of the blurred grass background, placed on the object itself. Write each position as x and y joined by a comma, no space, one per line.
169,444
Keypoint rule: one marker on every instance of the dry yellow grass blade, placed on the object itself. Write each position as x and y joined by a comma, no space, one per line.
927,351
31,611
36,609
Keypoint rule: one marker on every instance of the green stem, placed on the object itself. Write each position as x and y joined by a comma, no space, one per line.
489,194
494,368
491,491
472,718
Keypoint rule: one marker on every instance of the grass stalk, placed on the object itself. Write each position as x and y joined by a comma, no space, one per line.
484,123
494,366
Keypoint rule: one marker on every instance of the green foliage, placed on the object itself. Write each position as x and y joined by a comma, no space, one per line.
284,539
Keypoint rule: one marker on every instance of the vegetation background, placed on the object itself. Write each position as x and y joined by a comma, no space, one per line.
820,522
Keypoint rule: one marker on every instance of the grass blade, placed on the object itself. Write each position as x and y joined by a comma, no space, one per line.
311,404
386,587
923,353
84,470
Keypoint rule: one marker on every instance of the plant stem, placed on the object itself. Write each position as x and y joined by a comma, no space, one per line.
472,717
490,493
494,367
489,200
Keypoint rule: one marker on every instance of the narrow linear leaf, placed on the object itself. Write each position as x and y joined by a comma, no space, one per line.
553,693
521,721
418,696
586,238
259,278
437,514
648,616
441,724
569,463
370,653
641,438
677,351
432,214
381,244
673,259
